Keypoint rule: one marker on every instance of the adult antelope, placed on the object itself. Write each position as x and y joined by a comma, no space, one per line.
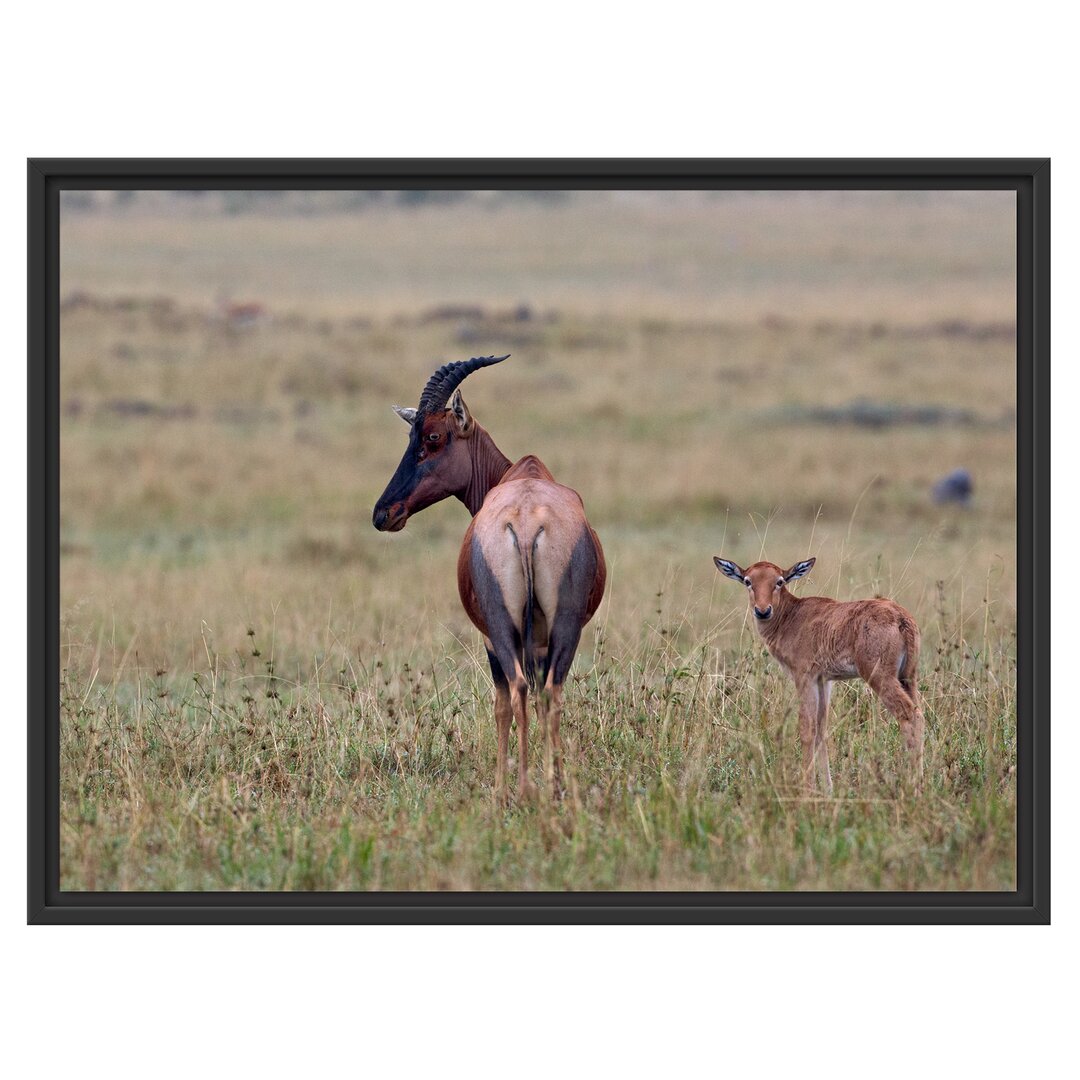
818,639
531,570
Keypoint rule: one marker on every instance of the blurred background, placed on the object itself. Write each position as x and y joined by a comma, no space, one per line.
769,373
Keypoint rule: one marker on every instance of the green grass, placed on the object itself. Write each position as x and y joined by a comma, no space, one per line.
682,774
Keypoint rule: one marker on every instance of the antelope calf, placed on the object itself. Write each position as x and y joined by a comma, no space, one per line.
531,570
818,640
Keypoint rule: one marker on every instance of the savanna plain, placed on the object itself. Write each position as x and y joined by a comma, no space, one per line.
260,692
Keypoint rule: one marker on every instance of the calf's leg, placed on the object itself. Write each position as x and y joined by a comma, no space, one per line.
907,711
808,722
821,748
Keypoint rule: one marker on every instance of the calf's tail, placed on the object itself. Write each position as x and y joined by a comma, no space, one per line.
909,670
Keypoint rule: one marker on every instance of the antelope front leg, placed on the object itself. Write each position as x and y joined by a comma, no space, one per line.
821,747
808,724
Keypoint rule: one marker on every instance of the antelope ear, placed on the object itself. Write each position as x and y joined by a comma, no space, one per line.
462,417
800,569
408,415
729,569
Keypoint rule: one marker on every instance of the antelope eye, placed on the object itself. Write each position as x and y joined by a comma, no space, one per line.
746,582
433,438
779,583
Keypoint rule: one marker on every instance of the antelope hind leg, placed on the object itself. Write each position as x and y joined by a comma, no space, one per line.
519,694
503,714
554,720
910,716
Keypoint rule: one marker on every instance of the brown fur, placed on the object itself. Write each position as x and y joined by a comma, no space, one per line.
817,640
527,530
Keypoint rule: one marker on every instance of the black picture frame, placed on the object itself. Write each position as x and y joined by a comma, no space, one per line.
1030,903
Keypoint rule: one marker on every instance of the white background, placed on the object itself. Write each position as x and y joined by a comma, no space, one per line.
557,79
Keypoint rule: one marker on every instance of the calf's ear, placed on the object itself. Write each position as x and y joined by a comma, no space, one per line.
800,569
729,569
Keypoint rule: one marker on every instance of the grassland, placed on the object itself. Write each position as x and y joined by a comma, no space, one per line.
261,692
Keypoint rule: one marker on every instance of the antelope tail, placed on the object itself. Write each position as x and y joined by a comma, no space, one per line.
527,554
907,672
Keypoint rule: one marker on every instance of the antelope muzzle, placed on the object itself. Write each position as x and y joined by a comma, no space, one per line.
390,518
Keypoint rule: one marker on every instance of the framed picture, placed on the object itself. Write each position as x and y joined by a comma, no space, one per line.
725,597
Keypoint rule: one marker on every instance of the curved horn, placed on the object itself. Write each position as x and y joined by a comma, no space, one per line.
447,379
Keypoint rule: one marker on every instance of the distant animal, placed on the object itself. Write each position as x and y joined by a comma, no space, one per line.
531,571
817,640
957,487
240,316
